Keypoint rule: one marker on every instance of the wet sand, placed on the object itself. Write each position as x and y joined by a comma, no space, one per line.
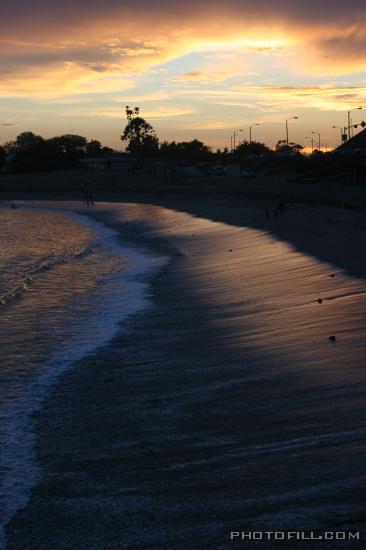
223,407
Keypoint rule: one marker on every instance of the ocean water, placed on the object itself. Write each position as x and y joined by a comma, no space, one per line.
66,283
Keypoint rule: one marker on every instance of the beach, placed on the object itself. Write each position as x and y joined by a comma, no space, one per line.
233,402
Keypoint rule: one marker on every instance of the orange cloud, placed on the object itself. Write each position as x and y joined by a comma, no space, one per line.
160,113
270,98
6,122
60,79
99,47
205,76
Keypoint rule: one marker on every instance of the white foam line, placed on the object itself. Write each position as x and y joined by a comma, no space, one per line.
17,455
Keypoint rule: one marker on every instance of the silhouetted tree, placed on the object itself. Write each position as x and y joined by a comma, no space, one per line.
26,151
188,151
290,149
168,150
67,149
70,144
27,141
94,148
30,152
254,148
2,157
141,137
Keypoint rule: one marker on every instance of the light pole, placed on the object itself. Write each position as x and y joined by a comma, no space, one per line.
250,131
312,143
342,132
235,132
319,146
291,118
349,119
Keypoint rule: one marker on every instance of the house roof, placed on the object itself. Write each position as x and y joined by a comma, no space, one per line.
106,159
358,142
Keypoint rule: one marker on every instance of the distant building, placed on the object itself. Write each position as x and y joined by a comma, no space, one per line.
172,172
9,159
124,164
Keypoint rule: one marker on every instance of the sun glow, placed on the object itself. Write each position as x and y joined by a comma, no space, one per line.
241,45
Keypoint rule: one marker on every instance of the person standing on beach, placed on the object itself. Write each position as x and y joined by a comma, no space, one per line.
268,210
279,209
88,197
84,192
91,196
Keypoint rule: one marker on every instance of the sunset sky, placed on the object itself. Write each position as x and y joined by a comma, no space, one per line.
197,69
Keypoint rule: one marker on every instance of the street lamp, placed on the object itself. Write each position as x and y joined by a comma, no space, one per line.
342,132
319,146
250,131
312,143
349,119
235,132
291,118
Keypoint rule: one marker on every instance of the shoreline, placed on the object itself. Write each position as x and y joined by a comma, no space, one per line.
141,266
115,185
129,366
301,226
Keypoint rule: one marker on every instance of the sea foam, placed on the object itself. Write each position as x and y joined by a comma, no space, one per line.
121,295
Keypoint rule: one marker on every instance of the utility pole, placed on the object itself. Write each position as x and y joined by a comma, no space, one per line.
235,132
349,119
250,131
342,132
312,143
291,118
319,146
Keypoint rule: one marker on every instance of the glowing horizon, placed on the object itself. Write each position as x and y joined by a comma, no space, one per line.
201,70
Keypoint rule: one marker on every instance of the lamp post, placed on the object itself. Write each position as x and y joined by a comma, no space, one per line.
312,143
342,132
349,119
319,146
235,132
291,118
250,131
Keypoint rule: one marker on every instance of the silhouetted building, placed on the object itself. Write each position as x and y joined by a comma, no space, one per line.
121,163
172,172
355,145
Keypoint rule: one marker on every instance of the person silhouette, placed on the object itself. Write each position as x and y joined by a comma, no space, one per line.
88,197
279,209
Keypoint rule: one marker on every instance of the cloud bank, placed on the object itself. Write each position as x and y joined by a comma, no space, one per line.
52,47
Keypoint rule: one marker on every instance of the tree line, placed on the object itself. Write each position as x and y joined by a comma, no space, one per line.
142,142
30,152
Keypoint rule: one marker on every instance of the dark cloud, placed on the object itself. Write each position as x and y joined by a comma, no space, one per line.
74,15
345,43
14,56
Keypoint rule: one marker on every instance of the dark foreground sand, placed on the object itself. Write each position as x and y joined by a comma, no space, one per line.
224,407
